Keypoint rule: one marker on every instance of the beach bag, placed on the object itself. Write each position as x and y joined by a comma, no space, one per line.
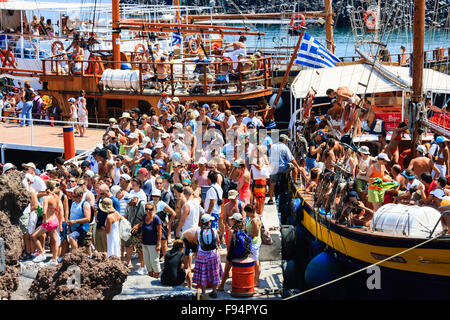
242,244
227,185
208,239
264,173
124,229
266,239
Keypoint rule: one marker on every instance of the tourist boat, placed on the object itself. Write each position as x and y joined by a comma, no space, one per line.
388,261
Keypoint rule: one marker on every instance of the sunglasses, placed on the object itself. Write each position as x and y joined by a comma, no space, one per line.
72,181
149,209
158,182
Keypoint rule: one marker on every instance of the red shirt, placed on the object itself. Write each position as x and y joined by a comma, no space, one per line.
430,188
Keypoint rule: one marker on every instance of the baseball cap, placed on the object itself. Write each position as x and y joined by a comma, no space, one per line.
132,135
353,194
147,151
29,164
232,194
206,106
237,216
145,141
143,171
176,99
125,176
407,174
284,137
115,189
112,120
166,175
164,94
207,217
179,187
85,164
158,145
440,139
90,173
49,167
71,100
156,193
438,193
165,135
178,126
422,149
383,156
202,160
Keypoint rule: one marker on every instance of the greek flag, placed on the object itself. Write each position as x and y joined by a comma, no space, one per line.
315,55
176,39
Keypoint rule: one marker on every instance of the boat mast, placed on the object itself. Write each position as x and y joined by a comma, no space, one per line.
418,56
329,25
115,34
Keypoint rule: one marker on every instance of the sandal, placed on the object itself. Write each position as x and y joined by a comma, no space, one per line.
270,202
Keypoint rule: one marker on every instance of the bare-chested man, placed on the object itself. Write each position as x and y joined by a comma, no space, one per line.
343,94
422,163
162,72
238,47
52,214
230,208
335,115
179,203
190,241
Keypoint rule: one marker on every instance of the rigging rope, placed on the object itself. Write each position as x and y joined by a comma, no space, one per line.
365,268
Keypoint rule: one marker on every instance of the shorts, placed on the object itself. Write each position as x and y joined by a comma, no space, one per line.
189,248
360,185
376,196
135,241
23,222
77,235
63,233
51,225
255,251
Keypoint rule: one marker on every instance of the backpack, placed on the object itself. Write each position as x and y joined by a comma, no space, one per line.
208,239
171,203
124,229
92,210
227,185
242,244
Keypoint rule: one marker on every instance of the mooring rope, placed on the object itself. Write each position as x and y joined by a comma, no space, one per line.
362,269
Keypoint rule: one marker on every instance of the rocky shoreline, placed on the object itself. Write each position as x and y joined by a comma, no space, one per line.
399,11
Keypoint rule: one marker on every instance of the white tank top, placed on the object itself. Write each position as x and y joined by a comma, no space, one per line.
193,216
113,240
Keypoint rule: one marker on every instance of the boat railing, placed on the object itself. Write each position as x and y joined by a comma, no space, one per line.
439,221
187,74
430,56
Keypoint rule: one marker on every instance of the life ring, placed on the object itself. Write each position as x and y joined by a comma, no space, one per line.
136,48
8,59
296,27
191,48
403,156
57,47
370,23
215,46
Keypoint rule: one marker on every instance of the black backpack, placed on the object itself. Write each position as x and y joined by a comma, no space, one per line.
227,185
92,210
208,243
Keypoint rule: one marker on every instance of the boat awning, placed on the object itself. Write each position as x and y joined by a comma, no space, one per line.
50,6
356,76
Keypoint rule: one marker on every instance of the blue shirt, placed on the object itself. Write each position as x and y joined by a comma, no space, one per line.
149,231
77,213
281,155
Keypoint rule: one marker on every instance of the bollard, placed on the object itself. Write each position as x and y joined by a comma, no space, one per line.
2,256
69,143
51,123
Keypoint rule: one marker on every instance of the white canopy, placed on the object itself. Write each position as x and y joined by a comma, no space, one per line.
356,76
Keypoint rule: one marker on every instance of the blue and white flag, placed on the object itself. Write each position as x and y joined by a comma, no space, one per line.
312,54
176,39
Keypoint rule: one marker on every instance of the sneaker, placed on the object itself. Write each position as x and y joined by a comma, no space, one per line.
39,258
142,271
52,263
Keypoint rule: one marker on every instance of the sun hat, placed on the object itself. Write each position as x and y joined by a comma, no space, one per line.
125,115
7,167
176,99
178,126
90,173
165,135
145,141
147,151
159,145
202,160
30,165
364,150
112,120
285,137
232,194
207,217
106,205
49,167
237,216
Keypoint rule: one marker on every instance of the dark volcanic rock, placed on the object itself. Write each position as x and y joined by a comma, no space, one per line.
14,197
9,280
101,278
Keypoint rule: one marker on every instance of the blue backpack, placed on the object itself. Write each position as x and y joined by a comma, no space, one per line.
242,244
208,239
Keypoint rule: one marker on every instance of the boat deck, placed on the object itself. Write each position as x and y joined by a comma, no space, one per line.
45,138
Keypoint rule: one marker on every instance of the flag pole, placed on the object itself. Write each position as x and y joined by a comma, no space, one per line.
288,70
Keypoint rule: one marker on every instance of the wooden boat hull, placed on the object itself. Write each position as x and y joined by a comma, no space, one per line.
405,277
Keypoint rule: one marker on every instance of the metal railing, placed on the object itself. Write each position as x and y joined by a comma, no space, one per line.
177,73
51,122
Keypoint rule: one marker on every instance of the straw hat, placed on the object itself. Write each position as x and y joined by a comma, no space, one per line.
125,115
106,205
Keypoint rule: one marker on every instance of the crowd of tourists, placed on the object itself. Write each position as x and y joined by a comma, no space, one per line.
192,181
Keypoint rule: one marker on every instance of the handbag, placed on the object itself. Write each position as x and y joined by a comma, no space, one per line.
266,239
124,229
264,173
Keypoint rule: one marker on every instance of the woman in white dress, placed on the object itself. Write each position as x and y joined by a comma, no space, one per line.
111,227
82,114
